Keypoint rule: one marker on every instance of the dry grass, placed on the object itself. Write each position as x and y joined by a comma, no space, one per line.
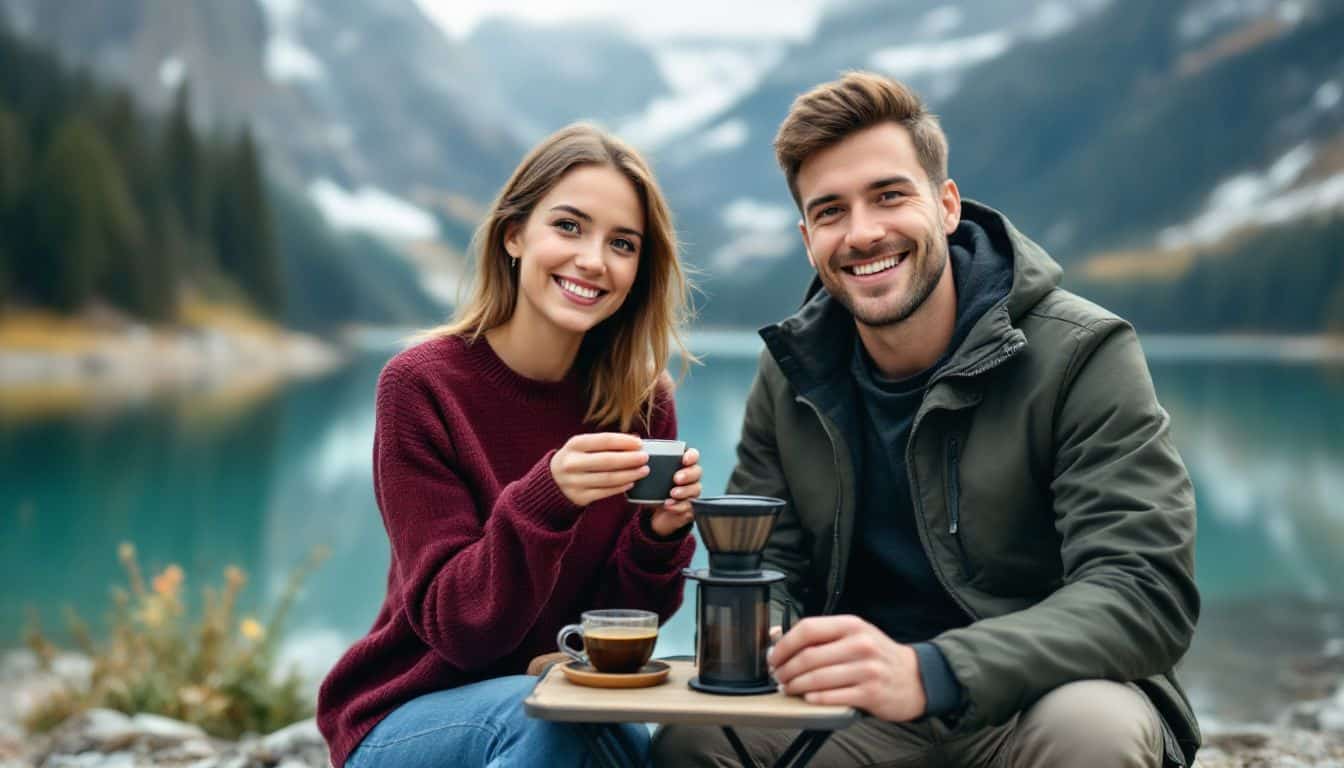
1251,36
1138,265
218,672
196,312
40,330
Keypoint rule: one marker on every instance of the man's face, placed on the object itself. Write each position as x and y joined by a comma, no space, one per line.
875,229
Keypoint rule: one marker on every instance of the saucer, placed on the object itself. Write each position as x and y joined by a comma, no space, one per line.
650,674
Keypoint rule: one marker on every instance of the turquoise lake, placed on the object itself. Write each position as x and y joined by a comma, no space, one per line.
205,484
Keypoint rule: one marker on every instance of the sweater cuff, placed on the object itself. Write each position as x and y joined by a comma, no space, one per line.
537,496
651,549
942,692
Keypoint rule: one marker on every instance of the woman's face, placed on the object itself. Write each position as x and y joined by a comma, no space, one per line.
578,251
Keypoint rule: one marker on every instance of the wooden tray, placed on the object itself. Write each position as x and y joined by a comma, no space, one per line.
555,697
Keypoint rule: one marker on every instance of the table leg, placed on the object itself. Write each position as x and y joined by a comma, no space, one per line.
803,749
739,748
798,755
605,746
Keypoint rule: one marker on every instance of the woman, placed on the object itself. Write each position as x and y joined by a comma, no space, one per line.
504,441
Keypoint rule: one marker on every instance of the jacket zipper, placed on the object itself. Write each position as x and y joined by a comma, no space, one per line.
922,526
954,502
832,586
1008,350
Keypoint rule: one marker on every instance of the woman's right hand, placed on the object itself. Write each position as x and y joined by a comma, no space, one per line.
594,466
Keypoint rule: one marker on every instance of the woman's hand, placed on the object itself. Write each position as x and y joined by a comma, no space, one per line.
594,466
676,511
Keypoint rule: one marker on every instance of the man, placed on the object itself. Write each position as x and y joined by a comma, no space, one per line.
989,530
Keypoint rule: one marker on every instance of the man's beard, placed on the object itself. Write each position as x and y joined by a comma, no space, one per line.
922,283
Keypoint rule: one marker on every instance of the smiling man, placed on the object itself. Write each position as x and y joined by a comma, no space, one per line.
989,531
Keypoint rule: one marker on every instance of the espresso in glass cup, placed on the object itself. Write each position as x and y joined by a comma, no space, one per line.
615,640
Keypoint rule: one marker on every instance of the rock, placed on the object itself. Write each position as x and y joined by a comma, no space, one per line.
105,730
157,731
189,750
300,744
29,684
92,760
11,742
1331,716
293,738
1269,747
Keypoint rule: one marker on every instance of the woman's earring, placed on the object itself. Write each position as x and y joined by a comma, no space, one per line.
515,262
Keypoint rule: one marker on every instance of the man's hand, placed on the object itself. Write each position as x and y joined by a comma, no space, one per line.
845,660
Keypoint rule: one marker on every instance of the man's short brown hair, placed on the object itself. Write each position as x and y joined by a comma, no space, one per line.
829,113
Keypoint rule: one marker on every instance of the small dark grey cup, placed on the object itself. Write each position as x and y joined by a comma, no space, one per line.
664,461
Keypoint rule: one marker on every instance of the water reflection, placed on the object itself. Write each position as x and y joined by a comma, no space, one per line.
259,481
184,486
1263,445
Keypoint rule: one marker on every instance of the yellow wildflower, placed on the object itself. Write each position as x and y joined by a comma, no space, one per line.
251,629
168,582
126,552
235,576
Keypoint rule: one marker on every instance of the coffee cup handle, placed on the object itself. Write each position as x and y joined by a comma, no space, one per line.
561,640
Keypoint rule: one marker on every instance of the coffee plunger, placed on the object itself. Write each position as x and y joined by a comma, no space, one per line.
733,594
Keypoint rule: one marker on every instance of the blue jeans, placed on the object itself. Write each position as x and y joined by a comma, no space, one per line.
481,725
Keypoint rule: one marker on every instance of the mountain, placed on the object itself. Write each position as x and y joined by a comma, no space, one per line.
602,75
362,106
104,206
364,92
1154,134
1288,278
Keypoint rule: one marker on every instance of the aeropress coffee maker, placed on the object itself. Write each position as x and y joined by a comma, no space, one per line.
733,594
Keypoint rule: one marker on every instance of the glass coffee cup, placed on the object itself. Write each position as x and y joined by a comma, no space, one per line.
615,640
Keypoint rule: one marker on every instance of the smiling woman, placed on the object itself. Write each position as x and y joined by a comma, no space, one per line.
503,443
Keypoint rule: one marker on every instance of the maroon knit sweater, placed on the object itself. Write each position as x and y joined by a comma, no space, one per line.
489,559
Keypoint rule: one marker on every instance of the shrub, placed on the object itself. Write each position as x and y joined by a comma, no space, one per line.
217,671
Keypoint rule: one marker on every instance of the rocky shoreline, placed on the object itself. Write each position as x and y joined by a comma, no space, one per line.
50,363
103,738
1309,733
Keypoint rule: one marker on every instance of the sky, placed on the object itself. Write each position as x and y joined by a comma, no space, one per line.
650,19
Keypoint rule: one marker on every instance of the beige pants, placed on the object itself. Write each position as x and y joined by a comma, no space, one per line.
1091,724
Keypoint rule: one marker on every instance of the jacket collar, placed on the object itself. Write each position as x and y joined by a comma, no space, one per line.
812,346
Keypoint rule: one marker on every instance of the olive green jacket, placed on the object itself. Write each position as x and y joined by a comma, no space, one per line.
1048,495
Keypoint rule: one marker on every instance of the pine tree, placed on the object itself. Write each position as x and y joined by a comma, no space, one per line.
244,236
14,159
151,288
14,163
1334,311
87,224
184,165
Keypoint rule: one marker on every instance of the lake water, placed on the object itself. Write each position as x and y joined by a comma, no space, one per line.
207,481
